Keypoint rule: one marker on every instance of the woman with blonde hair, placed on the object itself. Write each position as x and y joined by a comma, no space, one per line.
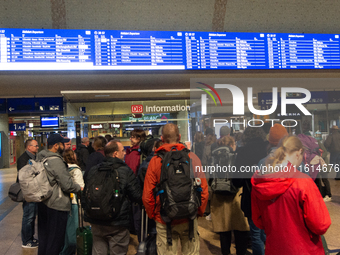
287,204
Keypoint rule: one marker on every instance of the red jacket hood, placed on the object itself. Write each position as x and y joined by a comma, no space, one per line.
272,185
168,147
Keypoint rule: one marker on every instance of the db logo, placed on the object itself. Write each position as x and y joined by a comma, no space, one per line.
137,108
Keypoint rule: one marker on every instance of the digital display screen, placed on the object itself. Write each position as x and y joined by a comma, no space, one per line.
52,49
49,122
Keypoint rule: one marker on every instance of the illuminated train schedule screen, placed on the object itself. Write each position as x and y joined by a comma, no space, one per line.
49,49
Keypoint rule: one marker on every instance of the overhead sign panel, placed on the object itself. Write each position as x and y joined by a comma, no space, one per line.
41,105
60,49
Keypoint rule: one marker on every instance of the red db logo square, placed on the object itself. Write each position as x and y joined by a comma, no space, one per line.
137,108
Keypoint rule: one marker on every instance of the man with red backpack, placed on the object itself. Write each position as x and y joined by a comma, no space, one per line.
170,230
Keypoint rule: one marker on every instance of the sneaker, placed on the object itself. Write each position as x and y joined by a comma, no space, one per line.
208,217
327,199
30,245
36,241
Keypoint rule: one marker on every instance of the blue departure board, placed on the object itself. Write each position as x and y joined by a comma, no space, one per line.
49,49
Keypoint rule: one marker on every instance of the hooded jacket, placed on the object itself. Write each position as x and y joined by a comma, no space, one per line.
290,209
153,176
132,158
61,181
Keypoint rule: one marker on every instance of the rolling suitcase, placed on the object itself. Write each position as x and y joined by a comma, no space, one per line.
84,237
147,245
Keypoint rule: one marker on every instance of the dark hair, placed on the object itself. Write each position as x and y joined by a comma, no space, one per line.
139,134
158,144
251,133
108,137
99,143
210,139
69,157
28,142
110,148
199,137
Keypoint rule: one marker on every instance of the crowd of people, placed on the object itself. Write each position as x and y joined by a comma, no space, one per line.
273,212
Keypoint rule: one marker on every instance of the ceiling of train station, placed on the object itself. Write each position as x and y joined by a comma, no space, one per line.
151,85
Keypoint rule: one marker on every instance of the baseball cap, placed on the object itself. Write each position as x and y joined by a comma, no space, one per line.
56,138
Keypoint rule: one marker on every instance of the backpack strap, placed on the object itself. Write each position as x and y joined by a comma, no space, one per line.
191,230
168,233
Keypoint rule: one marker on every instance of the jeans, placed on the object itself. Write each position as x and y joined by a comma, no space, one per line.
258,237
335,159
28,222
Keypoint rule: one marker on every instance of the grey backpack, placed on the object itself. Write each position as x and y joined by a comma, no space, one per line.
222,183
33,180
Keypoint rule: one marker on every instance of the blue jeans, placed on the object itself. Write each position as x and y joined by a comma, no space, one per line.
258,237
28,222
335,159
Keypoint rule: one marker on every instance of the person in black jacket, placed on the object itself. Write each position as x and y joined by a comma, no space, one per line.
83,153
30,209
114,234
98,156
254,149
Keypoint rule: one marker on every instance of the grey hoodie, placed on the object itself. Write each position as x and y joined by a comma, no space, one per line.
61,181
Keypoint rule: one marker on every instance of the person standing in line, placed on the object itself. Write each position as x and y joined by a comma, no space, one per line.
132,157
179,228
29,208
83,153
70,245
68,144
113,234
199,145
322,175
253,150
98,156
332,143
226,213
52,212
133,160
287,203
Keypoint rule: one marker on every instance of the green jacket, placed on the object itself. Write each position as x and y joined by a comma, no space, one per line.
61,181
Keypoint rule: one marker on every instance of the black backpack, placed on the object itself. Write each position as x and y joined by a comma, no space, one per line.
222,182
101,196
146,146
179,195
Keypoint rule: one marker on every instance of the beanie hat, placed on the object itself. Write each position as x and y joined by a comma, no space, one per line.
224,131
276,133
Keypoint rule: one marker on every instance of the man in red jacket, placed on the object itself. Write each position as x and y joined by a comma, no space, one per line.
179,228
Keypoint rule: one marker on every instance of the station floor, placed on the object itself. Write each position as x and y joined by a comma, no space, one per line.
11,216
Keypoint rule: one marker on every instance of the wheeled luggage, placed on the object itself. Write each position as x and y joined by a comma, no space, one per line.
147,245
84,237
